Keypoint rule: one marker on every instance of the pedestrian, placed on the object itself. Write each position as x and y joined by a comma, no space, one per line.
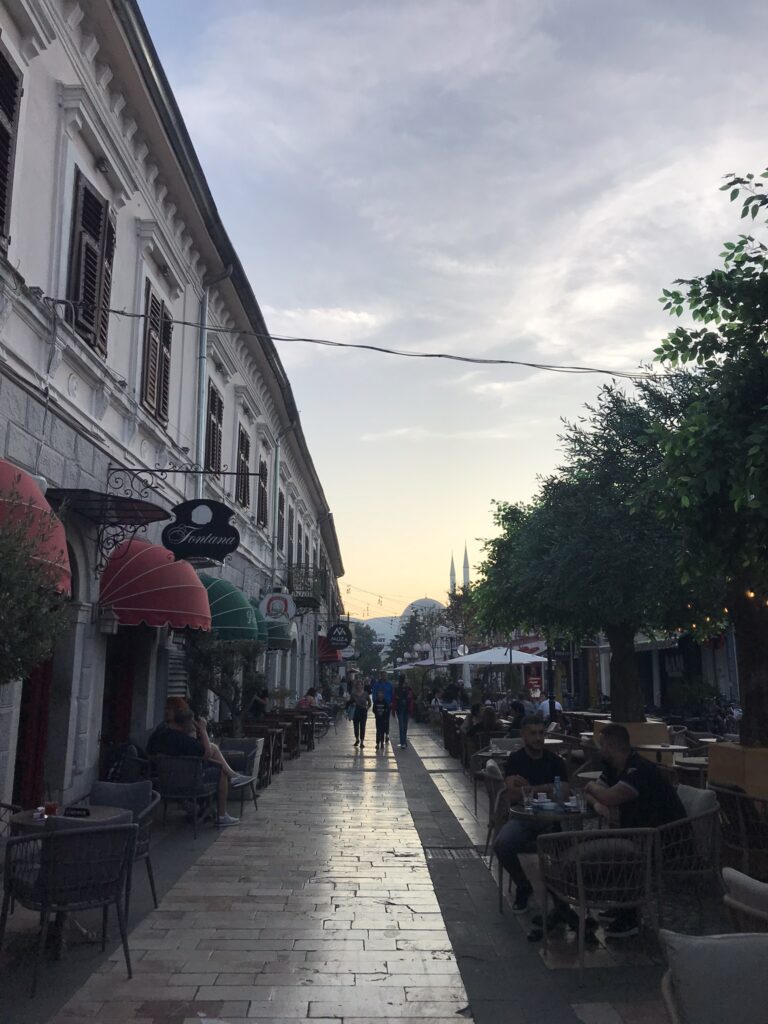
402,706
381,712
359,701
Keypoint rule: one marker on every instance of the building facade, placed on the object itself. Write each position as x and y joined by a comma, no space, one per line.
104,208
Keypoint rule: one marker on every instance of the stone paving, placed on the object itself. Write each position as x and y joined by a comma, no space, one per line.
337,902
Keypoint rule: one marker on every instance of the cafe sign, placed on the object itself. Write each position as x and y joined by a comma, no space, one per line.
339,636
201,529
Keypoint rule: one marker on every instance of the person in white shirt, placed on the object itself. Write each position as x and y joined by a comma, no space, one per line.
550,707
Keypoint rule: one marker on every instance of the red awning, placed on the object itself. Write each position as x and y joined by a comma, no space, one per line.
327,655
143,583
29,505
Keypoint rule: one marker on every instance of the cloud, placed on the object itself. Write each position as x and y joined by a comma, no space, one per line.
426,434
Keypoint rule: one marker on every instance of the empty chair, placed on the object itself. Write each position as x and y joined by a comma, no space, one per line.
746,900
744,824
186,780
244,756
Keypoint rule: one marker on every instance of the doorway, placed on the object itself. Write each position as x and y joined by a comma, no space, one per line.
29,770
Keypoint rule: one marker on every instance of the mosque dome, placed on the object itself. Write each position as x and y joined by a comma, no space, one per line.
424,604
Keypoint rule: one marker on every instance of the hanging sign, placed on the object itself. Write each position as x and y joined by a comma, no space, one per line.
339,636
202,529
277,607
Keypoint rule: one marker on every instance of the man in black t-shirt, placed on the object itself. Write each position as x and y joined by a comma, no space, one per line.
532,765
642,795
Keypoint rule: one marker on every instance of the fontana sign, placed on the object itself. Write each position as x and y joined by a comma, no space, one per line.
201,529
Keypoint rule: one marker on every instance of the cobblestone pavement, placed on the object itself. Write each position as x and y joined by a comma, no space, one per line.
336,901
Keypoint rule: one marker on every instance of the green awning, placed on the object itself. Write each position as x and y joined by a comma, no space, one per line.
261,622
232,615
279,635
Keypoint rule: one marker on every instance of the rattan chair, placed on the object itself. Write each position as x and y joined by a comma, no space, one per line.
688,851
493,781
141,800
746,900
68,870
608,869
744,825
6,813
182,780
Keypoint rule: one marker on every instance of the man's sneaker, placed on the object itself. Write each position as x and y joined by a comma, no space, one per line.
239,780
624,927
225,820
522,895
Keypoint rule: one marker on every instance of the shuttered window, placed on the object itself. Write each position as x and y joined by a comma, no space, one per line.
262,505
289,553
299,543
156,364
280,521
243,480
306,549
91,260
10,95
213,430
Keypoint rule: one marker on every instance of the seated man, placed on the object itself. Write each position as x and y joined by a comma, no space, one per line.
532,765
642,795
176,741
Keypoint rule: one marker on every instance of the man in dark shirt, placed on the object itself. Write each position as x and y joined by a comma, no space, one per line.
532,765
639,792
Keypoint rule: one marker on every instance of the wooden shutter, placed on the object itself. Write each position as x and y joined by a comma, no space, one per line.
153,318
105,293
92,256
262,516
10,95
213,430
243,480
281,521
164,366
299,543
289,554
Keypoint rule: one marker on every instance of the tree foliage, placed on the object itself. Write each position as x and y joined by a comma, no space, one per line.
228,669
367,648
411,633
32,612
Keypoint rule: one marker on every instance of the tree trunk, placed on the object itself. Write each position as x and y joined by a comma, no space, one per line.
750,620
627,699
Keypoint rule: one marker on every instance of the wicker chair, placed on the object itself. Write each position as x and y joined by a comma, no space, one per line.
67,870
6,813
182,780
244,755
141,800
493,781
688,851
744,824
746,900
608,869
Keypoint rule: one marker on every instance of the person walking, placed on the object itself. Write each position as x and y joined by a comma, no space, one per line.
359,701
402,706
381,712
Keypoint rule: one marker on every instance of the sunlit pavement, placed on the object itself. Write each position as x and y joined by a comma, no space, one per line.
356,892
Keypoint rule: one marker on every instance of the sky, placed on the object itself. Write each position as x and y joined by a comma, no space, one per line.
504,179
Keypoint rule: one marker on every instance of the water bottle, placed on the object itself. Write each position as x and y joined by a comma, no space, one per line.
557,792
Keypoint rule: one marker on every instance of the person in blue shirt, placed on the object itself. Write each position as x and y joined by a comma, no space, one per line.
382,683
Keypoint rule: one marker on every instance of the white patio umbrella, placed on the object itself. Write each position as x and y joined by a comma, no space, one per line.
498,656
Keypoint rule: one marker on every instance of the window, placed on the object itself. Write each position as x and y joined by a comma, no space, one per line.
289,553
10,95
243,479
306,549
90,264
280,521
299,543
156,375
262,506
213,430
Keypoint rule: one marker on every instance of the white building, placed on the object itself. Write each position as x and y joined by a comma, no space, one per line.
104,206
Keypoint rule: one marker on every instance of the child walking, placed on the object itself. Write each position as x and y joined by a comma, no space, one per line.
381,712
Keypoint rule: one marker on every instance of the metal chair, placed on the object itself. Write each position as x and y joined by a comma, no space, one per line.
6,813
182,780
68,870
244,755
744,825
607,869
141,800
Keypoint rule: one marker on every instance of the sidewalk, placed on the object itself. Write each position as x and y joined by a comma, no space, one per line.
355,893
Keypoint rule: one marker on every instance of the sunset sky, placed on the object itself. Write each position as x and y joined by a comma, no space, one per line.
511,179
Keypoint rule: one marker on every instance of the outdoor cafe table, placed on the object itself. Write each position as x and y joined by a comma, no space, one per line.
24,822
661,748
569,821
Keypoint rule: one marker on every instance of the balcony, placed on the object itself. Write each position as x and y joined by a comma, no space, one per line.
307,585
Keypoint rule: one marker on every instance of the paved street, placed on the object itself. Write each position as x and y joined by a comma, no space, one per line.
339,900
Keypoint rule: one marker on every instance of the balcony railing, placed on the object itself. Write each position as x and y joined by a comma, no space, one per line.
308,585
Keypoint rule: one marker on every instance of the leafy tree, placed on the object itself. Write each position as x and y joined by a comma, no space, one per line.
715,457
32,612
461,615
589,554
227,669
410,634
367,648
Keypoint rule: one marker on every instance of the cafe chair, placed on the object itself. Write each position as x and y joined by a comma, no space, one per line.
66,871
606,869
182,780
746,900
141,800
744,825
244,756
6,813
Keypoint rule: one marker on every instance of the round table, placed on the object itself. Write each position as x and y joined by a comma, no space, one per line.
661,748
569,821
23,822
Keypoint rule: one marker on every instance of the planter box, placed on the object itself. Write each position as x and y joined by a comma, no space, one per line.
733,765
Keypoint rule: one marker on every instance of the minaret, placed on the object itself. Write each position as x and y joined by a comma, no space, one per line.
453,576
466,567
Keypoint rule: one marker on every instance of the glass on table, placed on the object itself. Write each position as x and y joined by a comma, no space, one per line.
528,797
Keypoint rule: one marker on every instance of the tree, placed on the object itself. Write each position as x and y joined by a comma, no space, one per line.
590,554
410,634
367,648
715,455
33,614
227,669
461,615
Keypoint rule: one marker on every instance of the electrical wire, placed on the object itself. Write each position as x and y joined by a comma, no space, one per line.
404,353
